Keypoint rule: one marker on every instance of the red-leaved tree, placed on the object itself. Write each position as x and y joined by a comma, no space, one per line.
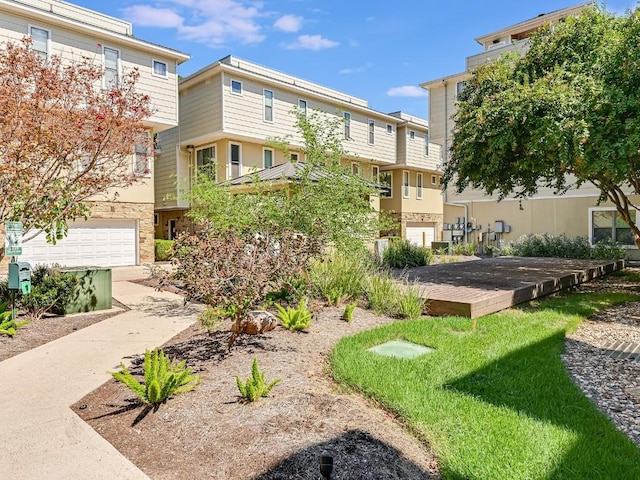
65,136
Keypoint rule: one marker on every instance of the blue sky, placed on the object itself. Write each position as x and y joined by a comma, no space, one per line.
375,50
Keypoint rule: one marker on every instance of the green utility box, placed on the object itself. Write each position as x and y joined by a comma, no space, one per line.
442,246
93,291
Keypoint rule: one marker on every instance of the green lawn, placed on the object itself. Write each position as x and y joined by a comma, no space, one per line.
495,403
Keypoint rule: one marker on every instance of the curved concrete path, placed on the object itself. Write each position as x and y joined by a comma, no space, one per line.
40,436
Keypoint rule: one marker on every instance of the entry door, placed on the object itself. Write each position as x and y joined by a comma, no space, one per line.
172,229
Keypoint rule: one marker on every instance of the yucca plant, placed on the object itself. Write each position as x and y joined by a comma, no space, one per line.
295,318
162,378
256,386
8,325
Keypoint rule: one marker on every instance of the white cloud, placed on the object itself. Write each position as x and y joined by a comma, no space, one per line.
288,23
349,71
216,23
312,42
147,16
407,91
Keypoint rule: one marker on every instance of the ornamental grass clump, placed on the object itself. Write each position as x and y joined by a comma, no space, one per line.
162,378
256,386
295,318
403,254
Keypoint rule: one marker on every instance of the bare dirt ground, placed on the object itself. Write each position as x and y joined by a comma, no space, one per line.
208,433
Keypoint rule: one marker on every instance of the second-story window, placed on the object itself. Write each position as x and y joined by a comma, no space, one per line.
205,156
426,145
235,160
111,67
372,132
347,125
419,186
142,159
159,69
389,128
302,107
267,156
386,179
40,38
412,135
460,87
236,87
268,105
405,184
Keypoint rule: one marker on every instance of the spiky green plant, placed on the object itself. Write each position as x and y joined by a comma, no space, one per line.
295,318
162,378
347,315
8,325
256,386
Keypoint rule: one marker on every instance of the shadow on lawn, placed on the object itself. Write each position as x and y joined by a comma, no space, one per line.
545,392
356,455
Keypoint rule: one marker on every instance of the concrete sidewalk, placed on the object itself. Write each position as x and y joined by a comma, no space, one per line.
41,436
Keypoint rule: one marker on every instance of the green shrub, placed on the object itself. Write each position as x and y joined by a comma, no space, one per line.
163,249
212,317
255,387
383,294
295,318
402,254
51,291
8,325
547,245
340,277
347,314
411,302
162,378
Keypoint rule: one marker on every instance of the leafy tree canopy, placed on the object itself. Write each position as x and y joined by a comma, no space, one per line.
331,208
565,113
64,138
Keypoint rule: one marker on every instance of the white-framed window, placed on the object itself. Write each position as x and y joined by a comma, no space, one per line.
606,224
405,184
111,63
41,38
302,107
294,157
372,131
268,105
440,180
159,69
412,135
206,161
460,87
419,186
386,179
235,160
267,157
375,174
347,125
84,162
142,159
434,180
355,168
426,145
389,128
236,87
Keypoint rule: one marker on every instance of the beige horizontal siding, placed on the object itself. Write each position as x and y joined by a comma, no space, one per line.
201,108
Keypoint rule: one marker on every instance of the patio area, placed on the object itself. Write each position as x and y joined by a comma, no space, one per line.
480,287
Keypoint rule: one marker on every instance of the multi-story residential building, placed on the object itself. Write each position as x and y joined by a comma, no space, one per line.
118,232
415,198
474,216
231,109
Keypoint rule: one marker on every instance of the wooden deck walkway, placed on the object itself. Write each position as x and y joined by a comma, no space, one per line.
480,287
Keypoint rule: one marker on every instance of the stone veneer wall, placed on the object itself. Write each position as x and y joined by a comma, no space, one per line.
143,212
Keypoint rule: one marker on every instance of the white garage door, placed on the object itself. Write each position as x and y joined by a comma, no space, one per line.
421,236
103,243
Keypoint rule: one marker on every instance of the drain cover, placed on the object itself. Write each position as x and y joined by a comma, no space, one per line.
400,349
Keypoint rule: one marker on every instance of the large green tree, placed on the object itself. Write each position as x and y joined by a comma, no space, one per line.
565,113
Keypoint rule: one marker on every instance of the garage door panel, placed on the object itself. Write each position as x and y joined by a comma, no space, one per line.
95,242
421,236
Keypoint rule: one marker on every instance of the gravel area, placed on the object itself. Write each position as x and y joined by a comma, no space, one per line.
613,384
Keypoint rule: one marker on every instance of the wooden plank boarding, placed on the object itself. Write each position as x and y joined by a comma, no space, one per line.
480,287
